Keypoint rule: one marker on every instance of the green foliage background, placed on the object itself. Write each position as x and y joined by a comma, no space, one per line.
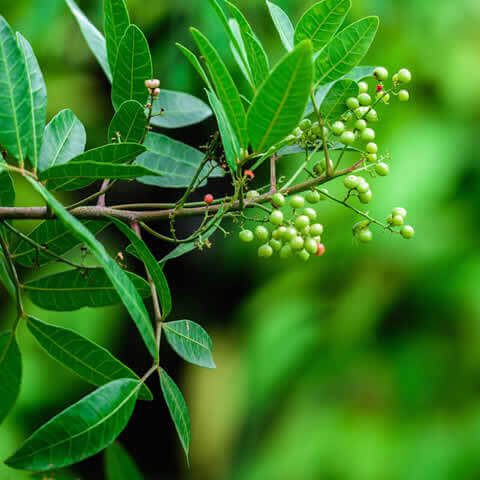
364,364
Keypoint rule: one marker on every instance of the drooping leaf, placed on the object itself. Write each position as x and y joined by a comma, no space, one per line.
190,341
119,465
129,123
64,139
74,289
5,278
38,98
283,25
90,361
192,58
279,104
155,270
181,110
227,91
177,407
334,104
10,373
93,37
80,431
176,162
133,67
126,290
16,129
345,51
54,235
321,21
116,23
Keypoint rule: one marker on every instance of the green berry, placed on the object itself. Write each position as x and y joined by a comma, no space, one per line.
303,255
319,167
363,186
365,99
262,233
297,243
372,147
276,245
338,128
316,230
253,194
372,157
403,96
390,219
290,234
382,169
298,132
398,221
372,116
407,232
366,197
311,246
351,182
363,87
381,74
323,194
285,252
278,200
395,78
312,197
276,218
361,112
365,235
265,251
279,233
361,125
297,202
361,225
310,213
404,76
305,124
368,135
352,103
399,211
301,222
347,138
246,236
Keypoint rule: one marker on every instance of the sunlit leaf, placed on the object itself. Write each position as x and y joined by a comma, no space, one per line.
116,23
283,25
129,123
119,465
10,373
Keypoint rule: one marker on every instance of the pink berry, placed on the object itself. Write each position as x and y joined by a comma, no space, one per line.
208,199
320,250
379,88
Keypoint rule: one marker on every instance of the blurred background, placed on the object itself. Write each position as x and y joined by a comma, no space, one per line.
364,364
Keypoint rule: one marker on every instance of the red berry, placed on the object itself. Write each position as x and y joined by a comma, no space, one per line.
208,199
379,88
320,250
249,174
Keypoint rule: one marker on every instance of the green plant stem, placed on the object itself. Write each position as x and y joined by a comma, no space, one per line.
328,160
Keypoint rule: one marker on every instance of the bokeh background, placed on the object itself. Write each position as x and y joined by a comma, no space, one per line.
364,364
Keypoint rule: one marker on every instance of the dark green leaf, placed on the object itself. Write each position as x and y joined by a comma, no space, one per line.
5,278
119,465
90,361
74,289
181,110
126,290
7,190
16,129
38,98
93,37
56,475
192,58
334,104
190,341
177,407
10,373
64,139
116,23
155,270
134,66
80,431
176,162
129,123
54,235
346,50
283,25
280,103
321,21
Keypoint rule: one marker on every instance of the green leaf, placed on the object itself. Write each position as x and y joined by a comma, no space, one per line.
16,129
119,465
321,21
129,123
190,341
280,103
192,58
64,139
10,373
126,290
177,407
93,37
7,190
334,104
133,67
38,98
346,50
359,73
80,431
154,269
54,235
56,475
176,162
283,25
93,363
181,110
5,278
74,289
226,89
116,23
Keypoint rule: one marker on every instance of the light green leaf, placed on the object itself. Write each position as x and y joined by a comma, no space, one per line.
5,278
280,103
181,110
54,235
10,373
283,25
359,73
226,89
38,98
90,361
116,23
334,104
192,58
16,129
177,407
346,50
126,290
321,21
119,465
154,269
64,139
134,66
129,123
80,431
176,162
93,37
190,341
74,289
